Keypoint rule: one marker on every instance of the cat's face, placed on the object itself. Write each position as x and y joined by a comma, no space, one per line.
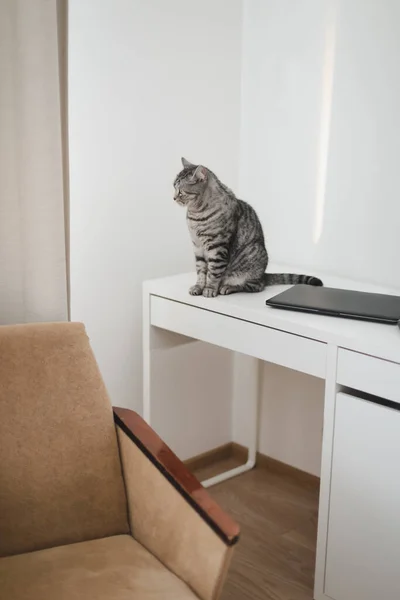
189,184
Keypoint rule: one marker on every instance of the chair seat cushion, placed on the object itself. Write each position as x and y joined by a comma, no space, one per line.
114,568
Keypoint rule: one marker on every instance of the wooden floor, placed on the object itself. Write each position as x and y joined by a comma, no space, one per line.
275,556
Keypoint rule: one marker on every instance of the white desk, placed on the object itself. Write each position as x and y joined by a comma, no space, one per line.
359,527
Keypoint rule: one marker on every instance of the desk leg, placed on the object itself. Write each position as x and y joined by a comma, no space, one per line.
245,401
326,471
154,339
146,356
245,389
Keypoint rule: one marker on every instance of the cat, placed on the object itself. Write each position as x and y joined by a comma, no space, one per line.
227,237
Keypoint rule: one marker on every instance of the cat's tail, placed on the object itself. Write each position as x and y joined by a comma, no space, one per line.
290,279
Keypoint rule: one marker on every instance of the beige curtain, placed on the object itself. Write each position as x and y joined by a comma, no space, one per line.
33,178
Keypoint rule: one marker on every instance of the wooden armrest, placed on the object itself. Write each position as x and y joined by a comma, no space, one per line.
141,434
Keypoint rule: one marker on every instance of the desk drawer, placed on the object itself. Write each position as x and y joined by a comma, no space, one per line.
272,345
369,374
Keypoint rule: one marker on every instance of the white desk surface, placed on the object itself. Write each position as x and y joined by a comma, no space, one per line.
370,338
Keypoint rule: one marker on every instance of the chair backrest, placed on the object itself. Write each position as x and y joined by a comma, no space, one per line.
60,472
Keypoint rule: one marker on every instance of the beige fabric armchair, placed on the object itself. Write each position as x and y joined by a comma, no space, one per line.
92,503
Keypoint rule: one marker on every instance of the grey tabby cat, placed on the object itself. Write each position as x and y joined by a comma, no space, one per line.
227,237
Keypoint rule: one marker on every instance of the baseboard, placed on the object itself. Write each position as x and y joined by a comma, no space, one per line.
239,453
208,459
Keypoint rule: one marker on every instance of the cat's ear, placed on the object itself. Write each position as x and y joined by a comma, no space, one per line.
186,163
200,173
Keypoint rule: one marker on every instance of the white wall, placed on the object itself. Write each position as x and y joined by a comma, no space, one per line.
319,153
317,113
320,124
148,82
291,417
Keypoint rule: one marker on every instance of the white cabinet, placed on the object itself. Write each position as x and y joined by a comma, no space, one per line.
363,543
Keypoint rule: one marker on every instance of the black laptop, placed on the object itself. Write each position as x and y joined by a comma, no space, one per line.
365,306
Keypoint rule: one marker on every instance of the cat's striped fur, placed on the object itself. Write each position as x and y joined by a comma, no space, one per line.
227,237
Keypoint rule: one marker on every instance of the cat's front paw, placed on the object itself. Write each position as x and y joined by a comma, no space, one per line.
209,292
196,290
226,290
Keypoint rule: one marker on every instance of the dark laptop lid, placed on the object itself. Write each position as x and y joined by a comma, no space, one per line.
367,306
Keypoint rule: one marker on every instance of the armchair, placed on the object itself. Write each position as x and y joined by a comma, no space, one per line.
92,503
